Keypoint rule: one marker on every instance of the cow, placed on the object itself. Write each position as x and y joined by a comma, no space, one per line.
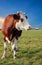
12,29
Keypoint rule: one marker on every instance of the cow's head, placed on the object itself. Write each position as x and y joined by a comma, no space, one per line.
22,23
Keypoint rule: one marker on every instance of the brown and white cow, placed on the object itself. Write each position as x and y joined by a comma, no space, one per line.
12,29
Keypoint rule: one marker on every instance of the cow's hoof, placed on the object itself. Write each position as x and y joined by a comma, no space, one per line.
3,57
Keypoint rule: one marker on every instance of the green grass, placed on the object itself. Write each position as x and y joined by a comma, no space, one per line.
30,49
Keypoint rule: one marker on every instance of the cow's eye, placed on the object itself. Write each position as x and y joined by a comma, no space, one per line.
26,17
22,19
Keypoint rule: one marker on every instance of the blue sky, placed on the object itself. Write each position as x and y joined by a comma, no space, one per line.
32,8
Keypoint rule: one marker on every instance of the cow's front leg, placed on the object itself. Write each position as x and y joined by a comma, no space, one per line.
14,47
5,48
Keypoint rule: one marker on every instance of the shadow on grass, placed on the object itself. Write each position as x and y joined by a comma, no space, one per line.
22,53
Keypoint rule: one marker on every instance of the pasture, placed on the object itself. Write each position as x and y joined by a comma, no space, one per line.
30,49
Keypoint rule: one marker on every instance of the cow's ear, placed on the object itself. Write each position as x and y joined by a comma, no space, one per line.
26,17
16,16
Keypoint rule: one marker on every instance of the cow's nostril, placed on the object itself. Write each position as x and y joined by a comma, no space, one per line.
29,28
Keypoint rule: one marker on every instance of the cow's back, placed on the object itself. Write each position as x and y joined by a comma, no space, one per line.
8,25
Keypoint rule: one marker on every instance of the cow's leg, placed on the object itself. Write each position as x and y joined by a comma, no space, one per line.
14,46
5,48
8,40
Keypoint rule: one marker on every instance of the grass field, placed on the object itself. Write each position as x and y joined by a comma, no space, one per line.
30,49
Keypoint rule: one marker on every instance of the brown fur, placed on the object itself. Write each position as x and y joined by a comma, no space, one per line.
8,28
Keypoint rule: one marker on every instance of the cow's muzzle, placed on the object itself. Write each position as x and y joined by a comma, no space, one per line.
29,28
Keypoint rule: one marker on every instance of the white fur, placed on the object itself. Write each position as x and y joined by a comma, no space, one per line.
14,53
7,40
4,54
14,45
22,25
5,47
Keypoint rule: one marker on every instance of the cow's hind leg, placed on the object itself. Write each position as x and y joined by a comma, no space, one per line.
5,48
